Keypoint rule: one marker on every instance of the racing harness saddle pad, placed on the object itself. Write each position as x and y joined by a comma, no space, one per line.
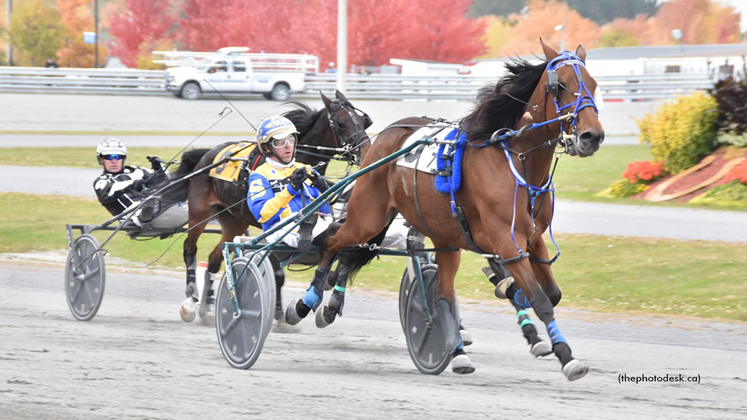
231,169
443,160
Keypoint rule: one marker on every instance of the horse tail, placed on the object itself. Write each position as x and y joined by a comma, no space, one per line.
356,258
190,160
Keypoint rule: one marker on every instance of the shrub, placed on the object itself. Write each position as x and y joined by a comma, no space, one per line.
622,188
731,96
728,138
732,194
682,131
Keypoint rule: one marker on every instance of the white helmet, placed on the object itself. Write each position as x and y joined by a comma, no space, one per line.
274,127
111,146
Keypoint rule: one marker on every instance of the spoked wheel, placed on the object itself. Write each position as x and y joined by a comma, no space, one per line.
269,289
430,271
430,344
241,337
85,277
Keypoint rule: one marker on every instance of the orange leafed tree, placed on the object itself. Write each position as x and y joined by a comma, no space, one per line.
77,18
701,22
540,22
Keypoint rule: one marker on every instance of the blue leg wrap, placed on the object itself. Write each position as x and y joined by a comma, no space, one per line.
554,332
521,299
314,293
460,346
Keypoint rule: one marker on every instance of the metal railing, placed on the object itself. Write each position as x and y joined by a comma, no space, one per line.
82,81
359,86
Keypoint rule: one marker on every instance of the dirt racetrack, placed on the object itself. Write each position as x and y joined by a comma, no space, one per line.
137,360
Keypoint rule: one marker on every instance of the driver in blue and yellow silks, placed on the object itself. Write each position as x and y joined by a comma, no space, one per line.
281,187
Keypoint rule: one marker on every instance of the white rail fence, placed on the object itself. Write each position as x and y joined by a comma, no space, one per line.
372,86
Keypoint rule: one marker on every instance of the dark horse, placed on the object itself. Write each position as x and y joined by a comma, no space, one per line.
504,204
336,129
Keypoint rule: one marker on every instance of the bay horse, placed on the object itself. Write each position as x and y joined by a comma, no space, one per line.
511,137
337,129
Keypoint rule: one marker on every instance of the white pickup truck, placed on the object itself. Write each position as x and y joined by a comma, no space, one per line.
232,70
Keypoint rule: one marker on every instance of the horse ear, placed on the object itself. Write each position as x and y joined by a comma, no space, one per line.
339,95
549,52
325,99
581,52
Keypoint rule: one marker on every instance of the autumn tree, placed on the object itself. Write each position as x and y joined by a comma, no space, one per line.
540,21
375,34
604,11
35,32
77,18
139,28
701,22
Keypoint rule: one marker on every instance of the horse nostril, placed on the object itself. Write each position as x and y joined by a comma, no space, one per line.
591,137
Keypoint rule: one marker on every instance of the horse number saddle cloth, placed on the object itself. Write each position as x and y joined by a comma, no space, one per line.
442,160
231,169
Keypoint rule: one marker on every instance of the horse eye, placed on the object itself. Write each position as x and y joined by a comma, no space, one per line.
341,125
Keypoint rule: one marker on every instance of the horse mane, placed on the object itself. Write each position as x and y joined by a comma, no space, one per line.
500,105
303,117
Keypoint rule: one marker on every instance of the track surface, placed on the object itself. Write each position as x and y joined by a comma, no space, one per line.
137,359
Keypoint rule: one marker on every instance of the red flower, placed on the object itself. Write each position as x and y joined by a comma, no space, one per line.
738,172
644,170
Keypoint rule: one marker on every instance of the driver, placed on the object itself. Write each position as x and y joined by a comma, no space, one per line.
281,187
121,187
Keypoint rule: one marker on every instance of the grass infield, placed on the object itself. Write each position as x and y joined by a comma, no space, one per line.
631,275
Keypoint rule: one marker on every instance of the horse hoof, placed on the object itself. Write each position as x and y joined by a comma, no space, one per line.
188,310
575,370
324,317
462,365
292,316
541,349
502,286
207,317
466,337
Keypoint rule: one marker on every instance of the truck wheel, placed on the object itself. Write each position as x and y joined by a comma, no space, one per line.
267,95
191,91
280,92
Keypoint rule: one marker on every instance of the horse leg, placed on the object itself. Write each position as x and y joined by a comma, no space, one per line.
188,309
502,280
279,282
377,218
333,309
448,264
526,292
230,228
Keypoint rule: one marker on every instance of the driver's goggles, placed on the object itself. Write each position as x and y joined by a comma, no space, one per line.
112,157
280,143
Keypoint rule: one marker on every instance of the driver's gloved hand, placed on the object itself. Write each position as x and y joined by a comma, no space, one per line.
155,163
318,183
297,178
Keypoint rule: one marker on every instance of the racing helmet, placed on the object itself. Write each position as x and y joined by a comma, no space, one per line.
111,146
274,127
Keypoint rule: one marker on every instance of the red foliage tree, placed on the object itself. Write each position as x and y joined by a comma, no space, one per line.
377,29
143,22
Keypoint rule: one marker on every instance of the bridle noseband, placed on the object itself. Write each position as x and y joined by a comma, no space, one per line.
584,98
355,139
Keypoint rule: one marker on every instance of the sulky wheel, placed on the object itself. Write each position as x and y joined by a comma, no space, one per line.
85,276
429,271
268,288
241,337
430,344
